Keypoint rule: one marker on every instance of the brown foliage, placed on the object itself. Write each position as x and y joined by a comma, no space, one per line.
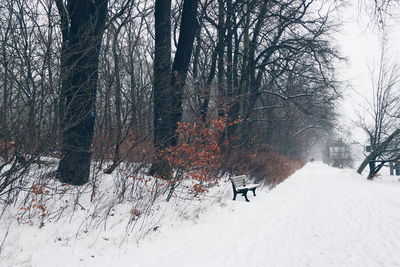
270,168
7,150
133,147
198,153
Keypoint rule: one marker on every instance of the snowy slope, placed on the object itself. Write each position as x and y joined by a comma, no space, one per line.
320,216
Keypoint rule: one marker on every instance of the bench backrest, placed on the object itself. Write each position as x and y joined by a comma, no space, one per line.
239,181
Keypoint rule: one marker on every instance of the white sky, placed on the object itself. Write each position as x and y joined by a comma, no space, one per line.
359,41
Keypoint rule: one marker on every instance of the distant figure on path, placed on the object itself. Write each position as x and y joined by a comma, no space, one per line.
312,160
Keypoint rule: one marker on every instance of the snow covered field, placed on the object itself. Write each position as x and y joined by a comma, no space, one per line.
320,216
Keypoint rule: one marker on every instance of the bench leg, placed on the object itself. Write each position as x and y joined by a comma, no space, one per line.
234,195
245,195
254,191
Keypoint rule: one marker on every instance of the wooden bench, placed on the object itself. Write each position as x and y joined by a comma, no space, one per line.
241,185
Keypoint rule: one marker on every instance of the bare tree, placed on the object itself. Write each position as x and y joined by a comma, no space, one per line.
168,96
382,124
82,27
264,63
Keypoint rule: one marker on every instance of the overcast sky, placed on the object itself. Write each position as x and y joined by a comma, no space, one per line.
359,41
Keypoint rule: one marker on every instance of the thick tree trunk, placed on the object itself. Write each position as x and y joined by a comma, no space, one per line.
161,88
368,161
180,66
80,54
363,165
168,99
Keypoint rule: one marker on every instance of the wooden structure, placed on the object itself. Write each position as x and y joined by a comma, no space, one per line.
374,169
395,168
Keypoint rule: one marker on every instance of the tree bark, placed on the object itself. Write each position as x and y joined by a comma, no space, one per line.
221,54
365,163
180,66
82,28
161,85
168,99
118,104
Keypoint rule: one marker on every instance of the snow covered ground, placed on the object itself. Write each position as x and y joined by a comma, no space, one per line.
320,216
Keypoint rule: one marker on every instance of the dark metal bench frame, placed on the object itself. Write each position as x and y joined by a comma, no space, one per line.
242,191
375,169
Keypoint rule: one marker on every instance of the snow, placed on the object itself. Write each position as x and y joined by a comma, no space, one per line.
320,216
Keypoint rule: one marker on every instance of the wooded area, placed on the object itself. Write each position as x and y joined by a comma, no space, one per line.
128,128
192,88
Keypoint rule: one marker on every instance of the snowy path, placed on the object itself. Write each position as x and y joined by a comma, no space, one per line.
319,217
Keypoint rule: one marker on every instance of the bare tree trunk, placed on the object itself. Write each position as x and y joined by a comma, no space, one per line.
168,107
205,96
365,162
180,66
221,53
229,50
3,114
82,35
161,88
118,102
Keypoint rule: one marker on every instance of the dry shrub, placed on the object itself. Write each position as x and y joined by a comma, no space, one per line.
133,147
7,150
270,168
137,148
102,147
198,155
202,156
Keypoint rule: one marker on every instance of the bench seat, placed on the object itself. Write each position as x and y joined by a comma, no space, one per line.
248,186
